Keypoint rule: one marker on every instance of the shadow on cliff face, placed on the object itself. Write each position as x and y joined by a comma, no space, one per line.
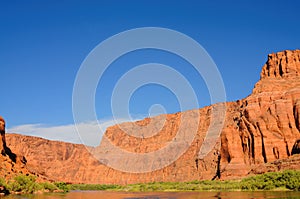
10,154
296,147
4,149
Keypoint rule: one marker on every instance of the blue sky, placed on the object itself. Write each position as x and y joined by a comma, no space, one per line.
43,43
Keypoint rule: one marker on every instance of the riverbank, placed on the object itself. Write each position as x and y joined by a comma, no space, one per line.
288,180
284,181
27,184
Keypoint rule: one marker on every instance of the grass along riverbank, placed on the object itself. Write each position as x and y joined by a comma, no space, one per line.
286,180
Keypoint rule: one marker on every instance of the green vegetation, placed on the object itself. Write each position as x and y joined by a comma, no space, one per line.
23,183
27,184
286,180
184,186
93,187
289,179
62,186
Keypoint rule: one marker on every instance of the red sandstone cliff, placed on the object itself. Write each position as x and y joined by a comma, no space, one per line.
267,122
260,134
10,163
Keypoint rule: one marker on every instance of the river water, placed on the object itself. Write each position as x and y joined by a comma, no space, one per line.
157,195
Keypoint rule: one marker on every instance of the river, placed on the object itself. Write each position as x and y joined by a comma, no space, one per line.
159,195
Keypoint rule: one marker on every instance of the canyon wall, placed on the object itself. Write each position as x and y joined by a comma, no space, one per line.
266,125
11,164
261,133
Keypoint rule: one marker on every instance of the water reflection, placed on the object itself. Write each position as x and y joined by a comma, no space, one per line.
156,195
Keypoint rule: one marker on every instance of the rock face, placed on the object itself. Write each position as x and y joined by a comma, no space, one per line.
282,65
10,163
261,133
267,124
2,133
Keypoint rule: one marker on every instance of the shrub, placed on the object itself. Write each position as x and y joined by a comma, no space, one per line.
62,186
49,186
287,179
2,182
24,184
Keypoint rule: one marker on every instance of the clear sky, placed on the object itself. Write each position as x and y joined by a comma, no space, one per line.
43,43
